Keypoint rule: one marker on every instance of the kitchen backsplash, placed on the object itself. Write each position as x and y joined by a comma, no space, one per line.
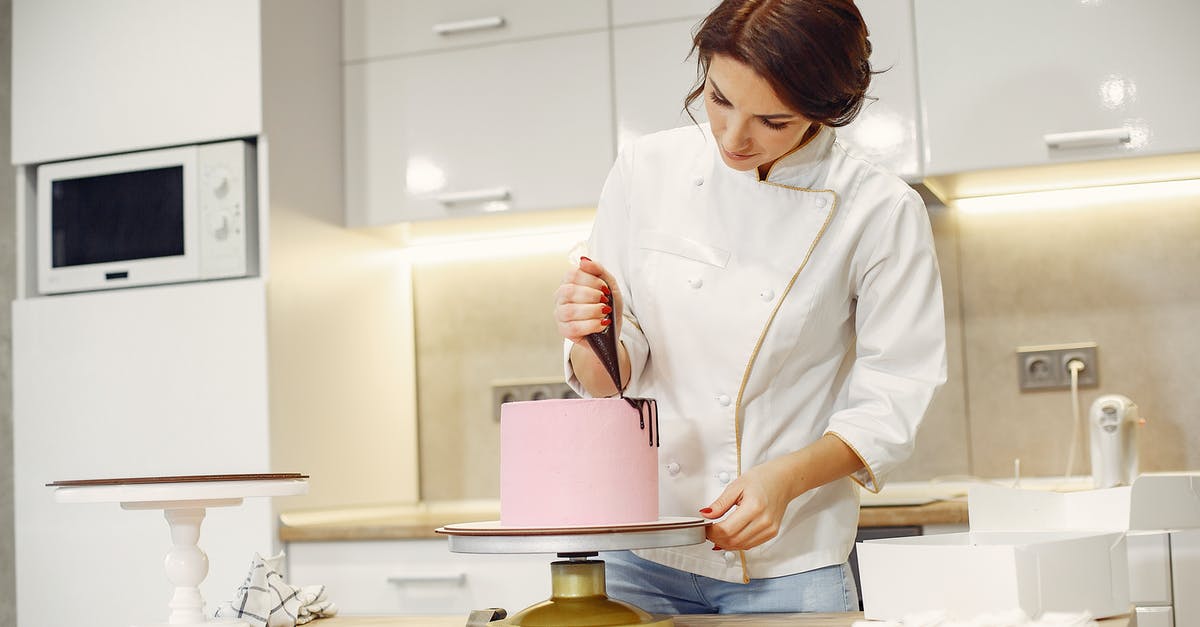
1126,277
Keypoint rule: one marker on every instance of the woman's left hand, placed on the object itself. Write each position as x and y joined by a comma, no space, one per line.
761,495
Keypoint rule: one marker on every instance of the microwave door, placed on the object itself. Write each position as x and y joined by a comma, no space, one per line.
117,222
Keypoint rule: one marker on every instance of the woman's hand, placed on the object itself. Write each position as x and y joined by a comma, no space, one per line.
582,304
761,495
583,301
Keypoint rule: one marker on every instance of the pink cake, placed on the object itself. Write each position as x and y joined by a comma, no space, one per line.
578,462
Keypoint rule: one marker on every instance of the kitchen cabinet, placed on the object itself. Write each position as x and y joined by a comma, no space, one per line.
515,126
887,131
94,78
627,12
652,74
1028,82
412,577
381,28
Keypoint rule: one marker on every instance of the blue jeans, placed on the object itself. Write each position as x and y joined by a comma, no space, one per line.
660,589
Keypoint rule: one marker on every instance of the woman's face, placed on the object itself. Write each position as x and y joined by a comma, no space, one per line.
751,126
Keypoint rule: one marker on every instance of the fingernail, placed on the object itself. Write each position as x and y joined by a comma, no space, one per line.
606,309
706,510
604,299
717,548
604,288
587,258
605,322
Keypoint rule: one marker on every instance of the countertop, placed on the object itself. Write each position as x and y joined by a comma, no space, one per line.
921,503
728,620
401,522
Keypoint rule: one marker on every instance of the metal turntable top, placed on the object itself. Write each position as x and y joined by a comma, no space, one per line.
492,537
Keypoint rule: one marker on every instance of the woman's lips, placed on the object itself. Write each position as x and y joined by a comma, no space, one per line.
735,156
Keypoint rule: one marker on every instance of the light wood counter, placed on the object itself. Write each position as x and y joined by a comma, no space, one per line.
729,620
406,522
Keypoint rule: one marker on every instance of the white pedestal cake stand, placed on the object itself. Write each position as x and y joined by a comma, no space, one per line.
183,501
577,583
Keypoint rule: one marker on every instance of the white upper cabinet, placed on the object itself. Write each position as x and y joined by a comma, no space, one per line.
1028,82
887,131
516,126
626,12
653,75
381,28
102,77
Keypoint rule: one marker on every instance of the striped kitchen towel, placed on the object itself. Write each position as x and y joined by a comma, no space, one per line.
264,598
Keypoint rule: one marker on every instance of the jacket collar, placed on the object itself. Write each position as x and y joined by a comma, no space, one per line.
802,167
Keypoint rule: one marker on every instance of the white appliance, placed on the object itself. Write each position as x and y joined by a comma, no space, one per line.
158,216
1113,431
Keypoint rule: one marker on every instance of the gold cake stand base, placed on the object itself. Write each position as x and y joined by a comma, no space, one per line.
578,599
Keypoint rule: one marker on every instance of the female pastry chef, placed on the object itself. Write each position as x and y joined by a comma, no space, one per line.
781,300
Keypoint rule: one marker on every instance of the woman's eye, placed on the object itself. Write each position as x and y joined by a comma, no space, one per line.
775,126
718,100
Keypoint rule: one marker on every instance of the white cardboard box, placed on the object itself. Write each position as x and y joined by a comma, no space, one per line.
973,573
1154,502
1033,550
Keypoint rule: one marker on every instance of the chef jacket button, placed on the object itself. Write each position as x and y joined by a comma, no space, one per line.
767,294
821,202
695,282
724,400
672,469
723,476
730,557
699,180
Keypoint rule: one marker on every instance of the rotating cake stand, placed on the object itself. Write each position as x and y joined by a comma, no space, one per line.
577,583
183,501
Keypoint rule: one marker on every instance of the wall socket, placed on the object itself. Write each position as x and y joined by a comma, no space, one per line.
1045,367
527,390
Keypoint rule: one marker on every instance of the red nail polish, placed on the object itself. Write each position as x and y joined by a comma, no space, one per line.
706,510
587,258
604,299
605,322
606,309
717,548
604,288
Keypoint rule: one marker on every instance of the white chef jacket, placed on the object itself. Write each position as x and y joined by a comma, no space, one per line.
764,314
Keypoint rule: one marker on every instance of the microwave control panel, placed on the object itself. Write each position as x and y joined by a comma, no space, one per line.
226,192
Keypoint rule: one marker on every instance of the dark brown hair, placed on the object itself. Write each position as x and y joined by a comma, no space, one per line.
813,53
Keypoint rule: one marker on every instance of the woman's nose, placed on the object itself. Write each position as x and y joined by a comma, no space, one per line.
735,135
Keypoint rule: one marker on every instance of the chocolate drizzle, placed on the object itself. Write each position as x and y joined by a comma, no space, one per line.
647,412
604,344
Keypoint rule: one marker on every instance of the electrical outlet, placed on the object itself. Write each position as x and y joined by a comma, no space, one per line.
527,390
1047,367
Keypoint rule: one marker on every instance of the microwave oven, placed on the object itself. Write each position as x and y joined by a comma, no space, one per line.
157,216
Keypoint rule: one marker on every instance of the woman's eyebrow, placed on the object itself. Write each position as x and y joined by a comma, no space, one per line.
769,116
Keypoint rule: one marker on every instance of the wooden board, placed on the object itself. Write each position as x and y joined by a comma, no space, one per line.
78,483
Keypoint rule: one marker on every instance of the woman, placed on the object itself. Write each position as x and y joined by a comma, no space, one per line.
780,298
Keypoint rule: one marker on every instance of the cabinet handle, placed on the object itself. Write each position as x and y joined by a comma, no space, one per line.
474,195
465,26
1087,139
454,578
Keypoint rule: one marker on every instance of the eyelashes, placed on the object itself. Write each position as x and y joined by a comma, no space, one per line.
723,103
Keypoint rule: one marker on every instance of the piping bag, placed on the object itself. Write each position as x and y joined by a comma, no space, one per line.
604,344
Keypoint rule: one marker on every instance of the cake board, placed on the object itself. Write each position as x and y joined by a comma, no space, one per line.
577,583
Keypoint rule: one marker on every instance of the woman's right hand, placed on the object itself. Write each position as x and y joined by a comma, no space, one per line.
581,304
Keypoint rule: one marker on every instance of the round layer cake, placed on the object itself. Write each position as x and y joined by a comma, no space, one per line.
578,462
